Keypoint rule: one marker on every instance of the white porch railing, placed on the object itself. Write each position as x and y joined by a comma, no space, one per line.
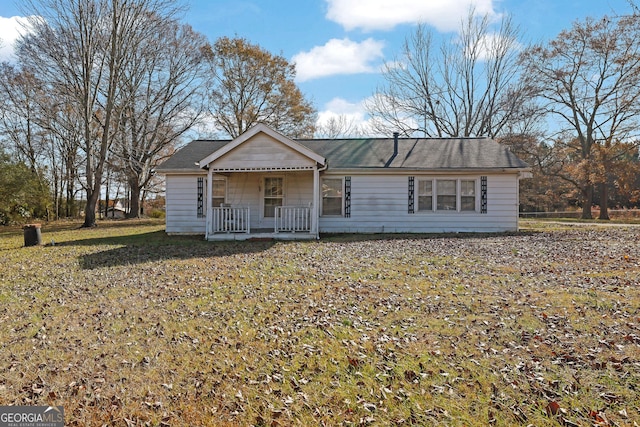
227,219
292,219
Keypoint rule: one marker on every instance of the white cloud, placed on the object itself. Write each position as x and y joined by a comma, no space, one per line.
10,30
341,107
338,57
444,15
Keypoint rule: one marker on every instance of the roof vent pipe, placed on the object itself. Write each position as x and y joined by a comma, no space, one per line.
395,143
395,149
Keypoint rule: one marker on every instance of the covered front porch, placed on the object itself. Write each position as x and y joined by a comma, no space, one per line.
262,185
262,204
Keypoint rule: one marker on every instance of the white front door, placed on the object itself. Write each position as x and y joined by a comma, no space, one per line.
272,197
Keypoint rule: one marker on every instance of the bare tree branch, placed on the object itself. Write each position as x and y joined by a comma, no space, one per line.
470,87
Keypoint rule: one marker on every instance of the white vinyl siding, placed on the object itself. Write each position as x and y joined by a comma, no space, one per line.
182,205
379,205
242,190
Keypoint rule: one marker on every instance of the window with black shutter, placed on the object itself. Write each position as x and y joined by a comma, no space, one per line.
411,208
200,205
347,197
483,194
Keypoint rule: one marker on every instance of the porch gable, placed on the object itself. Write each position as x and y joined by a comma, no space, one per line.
261,149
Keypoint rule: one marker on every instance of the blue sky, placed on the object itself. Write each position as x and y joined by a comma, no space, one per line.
339,46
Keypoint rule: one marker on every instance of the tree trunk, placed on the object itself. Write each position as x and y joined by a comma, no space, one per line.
56,195
90,209
143,197
587,201
134,200
70,199
106,200
604,201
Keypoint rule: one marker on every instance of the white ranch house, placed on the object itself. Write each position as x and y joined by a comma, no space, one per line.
263,184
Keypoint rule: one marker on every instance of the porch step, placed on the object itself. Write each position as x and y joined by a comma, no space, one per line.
257,236
261,239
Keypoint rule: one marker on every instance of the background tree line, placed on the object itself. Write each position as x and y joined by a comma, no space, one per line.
104,90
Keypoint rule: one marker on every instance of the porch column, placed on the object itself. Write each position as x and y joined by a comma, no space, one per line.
316,201
207,203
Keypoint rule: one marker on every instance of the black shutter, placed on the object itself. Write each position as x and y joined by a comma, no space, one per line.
347,197
412,198
200,197
483,194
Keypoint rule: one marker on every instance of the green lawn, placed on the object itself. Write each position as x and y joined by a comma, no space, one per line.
123,325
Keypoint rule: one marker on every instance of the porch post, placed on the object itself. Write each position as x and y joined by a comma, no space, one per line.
207,203
315,211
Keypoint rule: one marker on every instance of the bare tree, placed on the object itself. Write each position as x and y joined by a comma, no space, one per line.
65,139
469,87
165,99
250,85
79,49
19,122
341,126
588,77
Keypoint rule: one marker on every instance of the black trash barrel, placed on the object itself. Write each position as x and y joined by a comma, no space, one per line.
32,235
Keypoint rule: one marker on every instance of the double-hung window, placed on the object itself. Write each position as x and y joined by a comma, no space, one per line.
425,195
447,196
467,195
458,195
332,196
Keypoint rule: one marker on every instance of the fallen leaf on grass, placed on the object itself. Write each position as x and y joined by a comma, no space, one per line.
599,417
353,362
552,408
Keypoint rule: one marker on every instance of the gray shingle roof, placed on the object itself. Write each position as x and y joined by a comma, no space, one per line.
184,160
416,153
413,153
